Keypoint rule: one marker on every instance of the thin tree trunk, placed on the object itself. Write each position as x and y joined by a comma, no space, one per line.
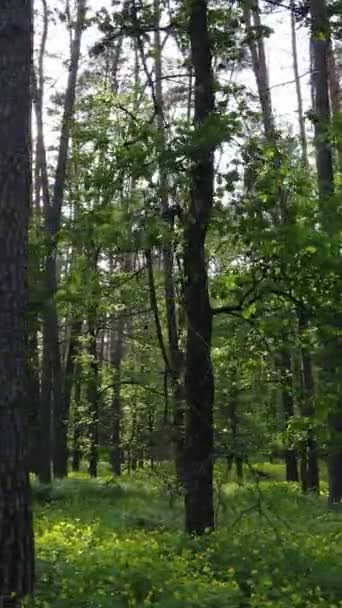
93,400
52,213
301,121
256,46
76,447
334,84
117,334
176,357
38,80
335,99
288,410
16,535
321,44
61,423
33,400
311,482
199,380
234,424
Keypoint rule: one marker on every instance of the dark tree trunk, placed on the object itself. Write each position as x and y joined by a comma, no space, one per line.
33,401
61,423
335,468
321,45
257,49
199,380
76,447
93,401
301,120
239,469
116,360
16,535
288,412
176,357
52,393
311,481
45,417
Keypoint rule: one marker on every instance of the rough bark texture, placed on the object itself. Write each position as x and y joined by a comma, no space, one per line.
16,537
199,381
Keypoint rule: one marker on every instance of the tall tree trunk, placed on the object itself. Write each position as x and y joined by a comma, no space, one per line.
335,100
334,83
288,411
199,380
176,357
38,80
33,399
320,43
301,120
76,446
311,470
61,422
16,535
257,50
233,419
93,372
93,401
117,334
51,350
281,214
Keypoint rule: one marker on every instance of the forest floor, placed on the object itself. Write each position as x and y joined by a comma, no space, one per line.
116,544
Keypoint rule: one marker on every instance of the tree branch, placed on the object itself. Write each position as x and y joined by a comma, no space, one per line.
154,306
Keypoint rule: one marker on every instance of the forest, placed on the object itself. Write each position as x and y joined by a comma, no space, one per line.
170,303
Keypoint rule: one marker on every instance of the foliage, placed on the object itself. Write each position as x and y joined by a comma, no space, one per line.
102,544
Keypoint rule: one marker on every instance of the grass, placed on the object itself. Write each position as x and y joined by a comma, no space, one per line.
109,544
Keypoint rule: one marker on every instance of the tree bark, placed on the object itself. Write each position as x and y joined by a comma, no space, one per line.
61,422
176,357
321,44
310,466
288,411
52,394
76,447
93,396
199,380
257,50
301,121
280,215
16,535
33,399
117,334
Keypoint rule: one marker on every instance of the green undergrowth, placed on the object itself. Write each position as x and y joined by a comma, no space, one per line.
110,544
